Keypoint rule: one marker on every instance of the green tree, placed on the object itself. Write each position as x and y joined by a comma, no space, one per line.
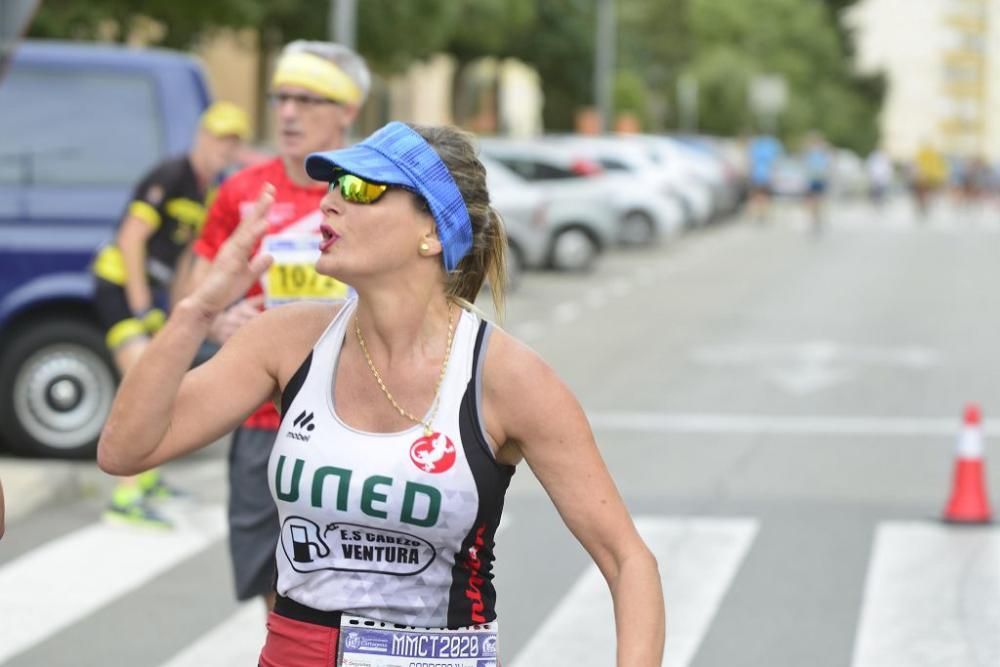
183,21
798,40
656,43
631,96
560,45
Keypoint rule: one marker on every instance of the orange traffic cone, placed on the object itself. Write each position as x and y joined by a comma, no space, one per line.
968,503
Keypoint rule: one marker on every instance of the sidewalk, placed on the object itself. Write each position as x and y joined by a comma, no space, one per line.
30,483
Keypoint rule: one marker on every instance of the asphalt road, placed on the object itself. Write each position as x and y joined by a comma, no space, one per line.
779,408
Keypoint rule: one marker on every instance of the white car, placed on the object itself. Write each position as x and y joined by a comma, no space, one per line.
523,211
643,215
697,165
631,157
578,222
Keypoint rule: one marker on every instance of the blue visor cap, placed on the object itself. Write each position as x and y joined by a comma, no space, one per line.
397,155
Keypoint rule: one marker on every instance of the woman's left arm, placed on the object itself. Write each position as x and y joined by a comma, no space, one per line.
533,414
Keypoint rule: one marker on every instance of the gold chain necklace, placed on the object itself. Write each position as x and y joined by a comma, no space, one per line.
437,389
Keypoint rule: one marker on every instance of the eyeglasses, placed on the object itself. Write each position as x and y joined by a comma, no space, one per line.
307,101
357,190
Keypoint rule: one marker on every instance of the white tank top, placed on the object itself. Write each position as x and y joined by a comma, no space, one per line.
393,526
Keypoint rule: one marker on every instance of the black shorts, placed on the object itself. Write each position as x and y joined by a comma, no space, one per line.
120,325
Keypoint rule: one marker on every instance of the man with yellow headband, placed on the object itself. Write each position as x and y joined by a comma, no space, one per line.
316,93
134,272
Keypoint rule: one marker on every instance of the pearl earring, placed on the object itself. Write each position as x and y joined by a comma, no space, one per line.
424,248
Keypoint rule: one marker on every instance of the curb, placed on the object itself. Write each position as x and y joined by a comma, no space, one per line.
31,484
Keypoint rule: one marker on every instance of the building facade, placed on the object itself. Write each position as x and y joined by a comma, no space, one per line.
941,59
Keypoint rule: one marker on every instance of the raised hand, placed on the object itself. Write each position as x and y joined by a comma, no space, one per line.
233,271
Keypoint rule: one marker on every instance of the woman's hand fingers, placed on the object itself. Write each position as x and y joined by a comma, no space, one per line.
260,264
252,228
235,269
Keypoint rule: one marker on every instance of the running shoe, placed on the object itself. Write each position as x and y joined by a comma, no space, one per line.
155,488
136,513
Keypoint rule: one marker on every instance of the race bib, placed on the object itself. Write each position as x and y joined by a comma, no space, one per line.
368,643
292,276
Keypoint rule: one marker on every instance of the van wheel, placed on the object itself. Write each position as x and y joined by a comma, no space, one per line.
573,249
57,382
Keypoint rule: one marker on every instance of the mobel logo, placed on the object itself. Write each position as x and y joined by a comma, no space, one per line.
304,422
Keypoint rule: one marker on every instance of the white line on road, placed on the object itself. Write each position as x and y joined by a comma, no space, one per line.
698,559
596,299
620,287
61,582
658,422
932,598
565,313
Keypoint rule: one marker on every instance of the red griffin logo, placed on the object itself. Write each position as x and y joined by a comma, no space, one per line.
473,590
433,453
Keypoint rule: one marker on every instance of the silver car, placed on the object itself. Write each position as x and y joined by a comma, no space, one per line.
631,157
643,215
578,222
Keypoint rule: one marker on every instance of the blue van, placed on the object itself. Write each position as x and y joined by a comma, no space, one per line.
79,125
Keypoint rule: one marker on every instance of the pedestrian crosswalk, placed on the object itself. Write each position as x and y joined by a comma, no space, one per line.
697,560
932,597
59,583
931,593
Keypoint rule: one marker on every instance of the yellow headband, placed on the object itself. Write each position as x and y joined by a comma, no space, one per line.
318,75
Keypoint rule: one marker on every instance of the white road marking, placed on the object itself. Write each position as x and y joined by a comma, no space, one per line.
596,298
57,584
644,276
698,559
658,422
818,352
932,597
807,378
620,287
567,312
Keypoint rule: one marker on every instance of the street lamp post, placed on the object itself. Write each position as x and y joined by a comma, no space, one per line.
604,61
343,22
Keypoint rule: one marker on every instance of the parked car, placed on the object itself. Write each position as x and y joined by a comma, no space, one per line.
642,215
523,213
630,157
697,165
579,222
730,156
80,124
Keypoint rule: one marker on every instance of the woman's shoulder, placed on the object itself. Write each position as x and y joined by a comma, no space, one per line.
510,365
295,327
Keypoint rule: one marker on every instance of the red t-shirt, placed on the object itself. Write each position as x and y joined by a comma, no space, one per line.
295,208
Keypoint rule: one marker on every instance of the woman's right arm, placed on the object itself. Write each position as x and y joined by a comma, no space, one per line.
162,410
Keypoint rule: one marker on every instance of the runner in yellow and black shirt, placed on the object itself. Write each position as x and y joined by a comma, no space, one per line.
135,271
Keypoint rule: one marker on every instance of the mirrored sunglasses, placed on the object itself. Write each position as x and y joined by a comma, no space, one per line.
357,190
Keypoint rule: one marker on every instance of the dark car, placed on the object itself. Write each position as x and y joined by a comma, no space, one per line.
79,126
